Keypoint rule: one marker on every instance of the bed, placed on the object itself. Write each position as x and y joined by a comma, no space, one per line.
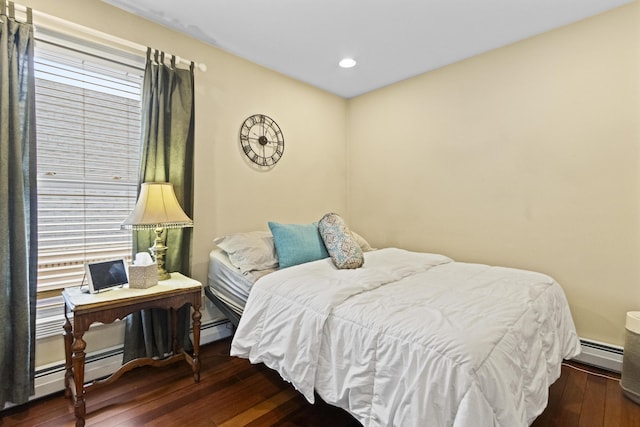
228,288
409,338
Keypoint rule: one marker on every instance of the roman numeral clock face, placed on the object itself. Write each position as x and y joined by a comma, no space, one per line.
262,140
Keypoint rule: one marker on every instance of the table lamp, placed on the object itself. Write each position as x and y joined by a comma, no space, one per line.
157,208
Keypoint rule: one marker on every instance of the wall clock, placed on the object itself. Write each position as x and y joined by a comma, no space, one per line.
262,140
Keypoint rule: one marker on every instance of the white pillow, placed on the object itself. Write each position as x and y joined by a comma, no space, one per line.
253,250
364,245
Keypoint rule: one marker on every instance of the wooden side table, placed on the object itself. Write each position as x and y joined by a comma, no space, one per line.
106,307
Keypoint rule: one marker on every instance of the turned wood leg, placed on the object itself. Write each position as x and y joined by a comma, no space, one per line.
196,343
68,339
78,360
173,315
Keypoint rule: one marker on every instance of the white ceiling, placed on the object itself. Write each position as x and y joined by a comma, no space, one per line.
391,39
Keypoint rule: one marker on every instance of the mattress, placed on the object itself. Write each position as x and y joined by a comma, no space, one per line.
227,283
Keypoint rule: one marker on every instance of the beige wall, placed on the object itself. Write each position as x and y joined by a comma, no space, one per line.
230,195
526,156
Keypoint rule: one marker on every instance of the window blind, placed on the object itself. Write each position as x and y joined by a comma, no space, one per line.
88,131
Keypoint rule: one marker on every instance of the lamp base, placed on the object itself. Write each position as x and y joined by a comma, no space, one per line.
163,274
158,251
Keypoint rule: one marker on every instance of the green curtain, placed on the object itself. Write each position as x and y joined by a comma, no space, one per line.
167,156
18,216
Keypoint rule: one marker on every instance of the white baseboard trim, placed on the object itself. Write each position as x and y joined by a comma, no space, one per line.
50,379
601,355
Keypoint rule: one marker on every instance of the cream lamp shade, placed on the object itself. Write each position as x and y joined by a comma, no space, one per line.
157,208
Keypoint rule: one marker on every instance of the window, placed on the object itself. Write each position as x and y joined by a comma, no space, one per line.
88,128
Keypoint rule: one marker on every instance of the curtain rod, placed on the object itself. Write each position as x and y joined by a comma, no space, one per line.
68,25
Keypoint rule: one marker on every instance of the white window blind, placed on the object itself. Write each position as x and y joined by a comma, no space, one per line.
88,132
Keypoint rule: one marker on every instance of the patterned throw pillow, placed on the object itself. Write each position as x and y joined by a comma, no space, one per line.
344,250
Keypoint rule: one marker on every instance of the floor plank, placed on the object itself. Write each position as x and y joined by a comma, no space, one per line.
232,392
592,413
568,414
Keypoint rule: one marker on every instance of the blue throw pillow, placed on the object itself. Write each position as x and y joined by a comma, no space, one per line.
297,243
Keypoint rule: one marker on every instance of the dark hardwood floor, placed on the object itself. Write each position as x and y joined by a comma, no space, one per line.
232,392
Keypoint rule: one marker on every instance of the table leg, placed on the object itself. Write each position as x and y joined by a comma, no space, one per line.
68,339
173,316
78,360
196,342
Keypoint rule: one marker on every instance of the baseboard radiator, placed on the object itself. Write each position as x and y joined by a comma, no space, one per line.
601,355
50,379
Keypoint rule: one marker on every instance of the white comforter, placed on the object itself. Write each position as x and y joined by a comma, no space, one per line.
413,339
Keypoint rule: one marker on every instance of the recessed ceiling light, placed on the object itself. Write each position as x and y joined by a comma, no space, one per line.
347,63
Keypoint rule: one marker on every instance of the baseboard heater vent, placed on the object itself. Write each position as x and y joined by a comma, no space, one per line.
601,355
50,378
